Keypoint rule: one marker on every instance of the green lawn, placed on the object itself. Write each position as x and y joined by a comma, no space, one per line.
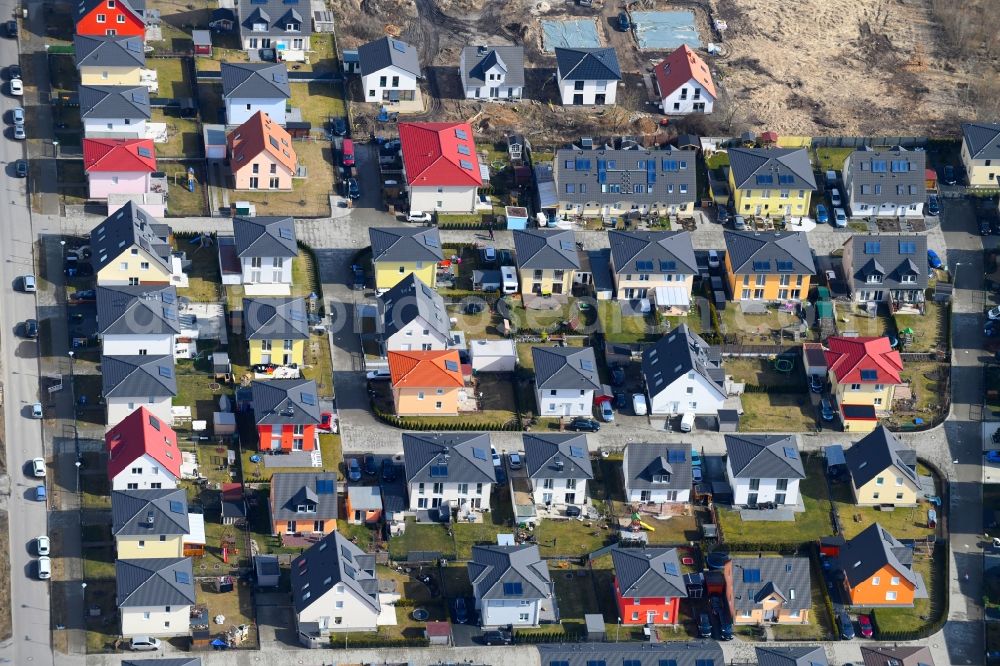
318,102
717,159
195,389
911,619
574,591
902,523
422,536
319,364
173,77
762,372
310,196
831,158
204,277
927,328
330,448
563,538
99,563
180,201
183,139
811,524
777,412
773,327
928,381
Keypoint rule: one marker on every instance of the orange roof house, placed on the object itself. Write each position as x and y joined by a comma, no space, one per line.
684,83
426,382
261,155
878,570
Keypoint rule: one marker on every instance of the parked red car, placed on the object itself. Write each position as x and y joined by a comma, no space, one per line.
865,623
326,423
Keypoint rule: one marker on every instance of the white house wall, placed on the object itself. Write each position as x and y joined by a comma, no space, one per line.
340,610
444,199
150,472
267,273
411,337
159,623
501,612
686,103
766,491
373,87
591,89
676,399
657,496
564,402
448,494
116,127
556,495
237,112
124,345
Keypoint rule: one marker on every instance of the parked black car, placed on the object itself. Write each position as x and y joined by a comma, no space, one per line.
583,424
371,468
461,611
340,127
388,470
496,637
846,626
704,626
31,328
984,226
10,28
21,168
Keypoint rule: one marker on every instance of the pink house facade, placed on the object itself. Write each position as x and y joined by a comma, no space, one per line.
121,167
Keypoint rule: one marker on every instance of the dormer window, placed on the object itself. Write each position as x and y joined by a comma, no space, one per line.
661,478
874,278
259,27
908,278
291,27
308,507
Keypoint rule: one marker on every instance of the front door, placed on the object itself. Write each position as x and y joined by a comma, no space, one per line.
650,617
494,92
265,358
546,498
645,495
578,99
768,613
599,98
570,498
286,359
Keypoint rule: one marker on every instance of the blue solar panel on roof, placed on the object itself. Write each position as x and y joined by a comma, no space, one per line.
676,456
668,266
451,365
182,577
438,471
513,589
879,166
464,149
325,487
309,398
751,575
167,297
790,452
765,179
644,265
786,179
165,371
286,233
762,265
176,507
785,266
907,247
873,247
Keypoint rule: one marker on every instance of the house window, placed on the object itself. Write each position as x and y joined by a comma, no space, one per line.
855,387
547,484
876,580
142,544
479,488
578,85
144,266
635,616
102,18
899,496
570,484
298,429
782,484
754,484
288,345
522,617
899,481
274,168
463,489
894,580
274,183
123,266
880,481
121,18
420,489
890,595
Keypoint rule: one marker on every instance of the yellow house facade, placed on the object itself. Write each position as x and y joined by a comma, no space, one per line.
547,260
154,545
389,273
426,383
546,281
771,182
401,251
425,401
981,154
772,609
276,330
891,486
883,471
280,352
877,395
768,266
134,265
96,75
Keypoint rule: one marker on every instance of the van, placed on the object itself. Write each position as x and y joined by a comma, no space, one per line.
687,422
831,178
347,153
509,279
44,568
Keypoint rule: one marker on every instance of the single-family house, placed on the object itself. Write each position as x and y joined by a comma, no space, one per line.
863,372
261,155
149,523
587,76
286,413
659,265
800,655
681,653
276,330
771,182
883,471
768,589
878,570
335,588
109,61
768,266
887,268
683,83
492,72
764,469
131,247
399,251
981,153
511,585
657,473
111,18
441,167
303,503
609,183
281,27
155,596
547,261
683,373
558,467
128,382
363,505
249,87
449,469
266,247
166,661
426,383
885,183
142,453
411,316
137,319
119,166
389,70
649,585
565,380
896,655
114,112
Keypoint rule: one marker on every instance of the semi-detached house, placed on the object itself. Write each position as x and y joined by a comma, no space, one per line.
885,183
887,268
128,382
768,266
659,265
448,469
771,182
981,154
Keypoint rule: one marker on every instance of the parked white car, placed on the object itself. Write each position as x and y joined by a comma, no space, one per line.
42,545
44,568
839,218
419,216
639,404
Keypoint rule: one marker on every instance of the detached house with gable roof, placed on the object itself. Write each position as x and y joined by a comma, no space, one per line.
286,413
449,470
411,316
440,165
887,268
764,469
109,61
266,248
885,183
512,586
883,471
150,523
131,247
276,330
558,468
426,383
649,585
547,261
142,453
659,265
804,655
281,25
261,155
684,83
128,382
565,380
389,70
400,251
981,153
137,319
587,76
155,596
683,374
771,182
111,18
492,72
249,87
303,503
114,112
896,655
768,266
121,166
657,473
769,589
864,373
878,570
609,183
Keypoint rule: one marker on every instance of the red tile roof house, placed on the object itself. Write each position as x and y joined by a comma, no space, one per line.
649,585
142,453
864,374
685,85
120,166
440,166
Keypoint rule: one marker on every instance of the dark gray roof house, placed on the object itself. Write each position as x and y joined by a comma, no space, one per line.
876,452
410,299
648,572
871,550
754,579
769,252
891,262
285,401
615,177
659,466
156,581
982,140
138,376
771,168
286,19
149,513
447,458
265,237
256,80
167,661
587,64
557,456
565,368
886,178
801,655
275,318
653,252
896,655
542,249
91,51
304,496
678,353
675,653
405,244
764,457
481,59
388,52
130,225
137,309
128,102
509,572
333,561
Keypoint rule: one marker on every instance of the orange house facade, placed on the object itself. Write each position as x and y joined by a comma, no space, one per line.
299,437
885,587
768,266
426,383
303,503
113,18
878,570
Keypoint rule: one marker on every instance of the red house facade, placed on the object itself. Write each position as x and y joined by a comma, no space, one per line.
649,585
113,18
286,412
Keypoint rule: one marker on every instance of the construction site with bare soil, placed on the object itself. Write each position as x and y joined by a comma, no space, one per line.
814,67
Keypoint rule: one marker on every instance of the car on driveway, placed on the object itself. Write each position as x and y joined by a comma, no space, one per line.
583,424
42,545
339,126
379,376
835,197
371,467
85,295
353,190
607,414
816,383
822,214
326,422
865,626
144,643
992,328
388,470
461,611
497,459
623,23
933,260
993,313
984,226
515,461
21,168
839,218
10,27
948,177
704,626
617,375
696,474
496,637
419,216
846,626
723,215
639,404
826,410
31,328
353,470
933,205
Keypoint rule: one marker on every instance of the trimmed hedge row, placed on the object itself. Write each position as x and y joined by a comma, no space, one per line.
549,637
403,423
375,642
